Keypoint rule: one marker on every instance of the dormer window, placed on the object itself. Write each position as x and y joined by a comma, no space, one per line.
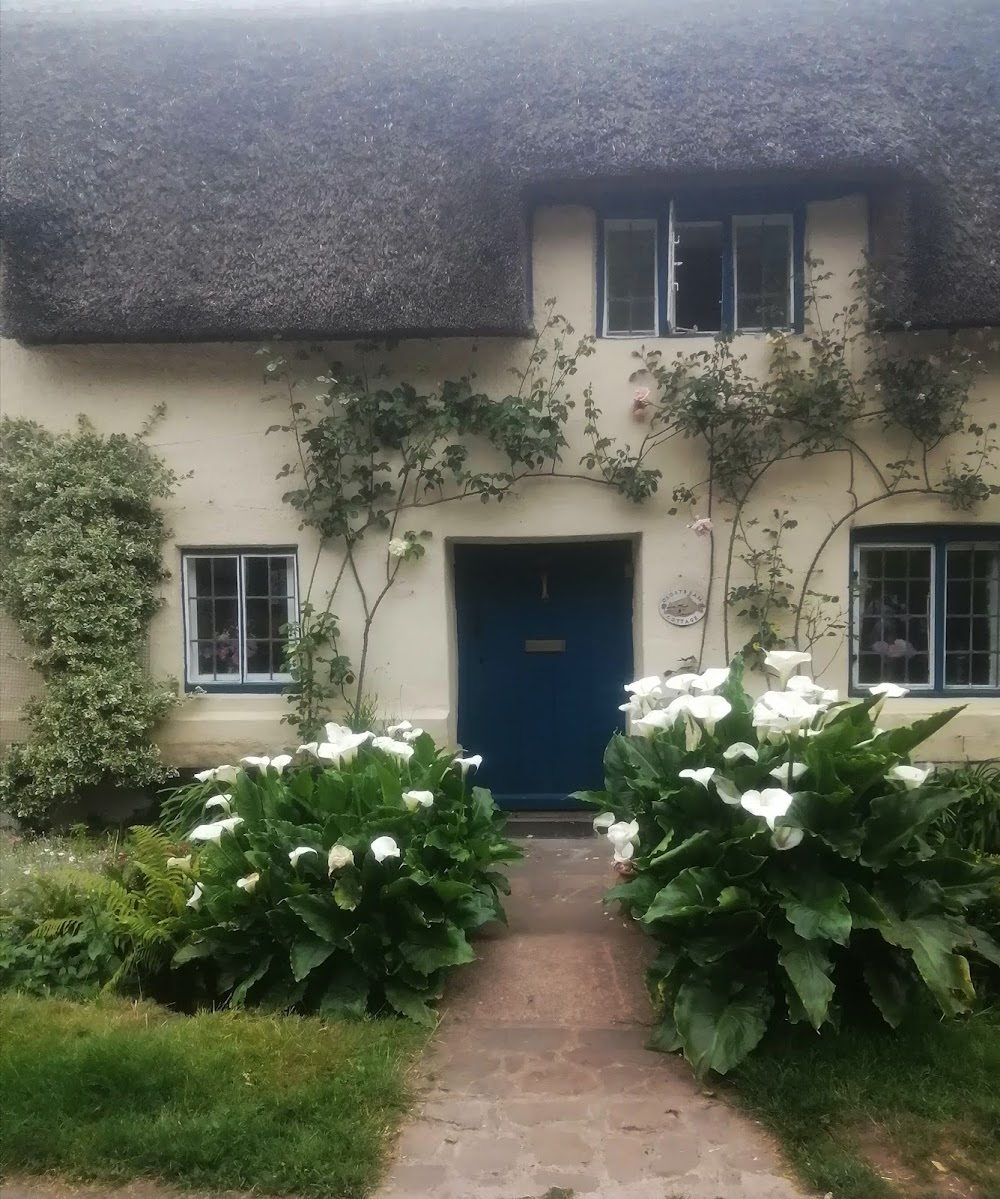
680,270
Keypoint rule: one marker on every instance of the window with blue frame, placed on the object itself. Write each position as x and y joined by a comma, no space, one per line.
699,268
927,608
237,606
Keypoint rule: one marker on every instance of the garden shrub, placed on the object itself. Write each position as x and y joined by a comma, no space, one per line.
974,820
74,932
786,858
344,879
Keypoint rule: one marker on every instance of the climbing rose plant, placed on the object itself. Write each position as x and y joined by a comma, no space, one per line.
343,878
784,853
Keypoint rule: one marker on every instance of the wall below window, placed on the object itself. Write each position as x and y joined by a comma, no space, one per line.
215,426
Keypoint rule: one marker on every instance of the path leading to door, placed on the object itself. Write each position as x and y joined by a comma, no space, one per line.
539,1086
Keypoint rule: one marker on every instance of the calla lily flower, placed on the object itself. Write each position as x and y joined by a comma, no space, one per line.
624,833
404,726
681,682
740,749
647,725
395,749
277,763
803,685
910,776
726,789
418,799
248,882
384,847
603,822
179,863
412,734
195,900
781,772
652,684
338,857
467,764
702,777
786,837
772,803
623,853
299,851
783,713
220,774
783,661
709,680
214,831
885,691
219,801
708,710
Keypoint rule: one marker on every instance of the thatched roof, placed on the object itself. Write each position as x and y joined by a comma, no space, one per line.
186,177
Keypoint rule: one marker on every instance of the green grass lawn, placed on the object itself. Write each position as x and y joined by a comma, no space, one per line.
116,1090
866,1115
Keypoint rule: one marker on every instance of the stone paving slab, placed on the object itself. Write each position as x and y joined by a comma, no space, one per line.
539,1085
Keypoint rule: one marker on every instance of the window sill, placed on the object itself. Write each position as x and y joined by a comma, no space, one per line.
921,693
234,688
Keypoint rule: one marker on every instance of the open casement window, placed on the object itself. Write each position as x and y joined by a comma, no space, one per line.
236,604
631,271
720,272
927,609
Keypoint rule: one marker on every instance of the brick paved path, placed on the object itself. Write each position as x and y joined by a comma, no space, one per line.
539,1086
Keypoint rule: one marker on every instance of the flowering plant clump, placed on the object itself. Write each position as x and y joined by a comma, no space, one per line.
786,856
344,878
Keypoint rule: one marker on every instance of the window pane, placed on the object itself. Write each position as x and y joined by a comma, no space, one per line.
893,640
698,278
255,575
630,276
225,573
972,618
763,254
279,576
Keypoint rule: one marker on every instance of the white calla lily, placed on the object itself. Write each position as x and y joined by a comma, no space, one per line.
708,710
702,777
195,900
410,735
404,726
885,691
384,847
786,837
248,882
219,801
772,803
781,773
214,831
338,857
783,661
467,764
603,822
652,684
300,851
418,799
740,749
624,836
661,718
179,863
681,682
910,776
395,749
624,853
726,789
783,713
277,763
709,680
220,774
340,747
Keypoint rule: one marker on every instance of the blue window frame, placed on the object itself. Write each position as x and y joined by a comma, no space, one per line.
700,266
926,608
237,604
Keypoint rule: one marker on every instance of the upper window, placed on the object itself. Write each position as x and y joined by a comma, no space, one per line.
668,274
927,608
237,605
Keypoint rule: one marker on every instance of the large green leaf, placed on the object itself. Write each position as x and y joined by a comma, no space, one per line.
960,879
816,907
250,979
318,916
931,940
700,849
720,1020
347,891
898,817
891,983
442,945
984,945
665,1036
866,911
306,954
692,892
637,893
830,817
907,737
808,966
722,935
409,1003
346,994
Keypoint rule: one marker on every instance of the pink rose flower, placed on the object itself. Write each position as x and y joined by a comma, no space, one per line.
701,526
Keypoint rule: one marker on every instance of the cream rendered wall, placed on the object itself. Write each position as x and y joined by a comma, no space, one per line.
213,433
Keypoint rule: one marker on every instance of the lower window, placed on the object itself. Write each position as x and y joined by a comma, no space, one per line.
927,608
237,604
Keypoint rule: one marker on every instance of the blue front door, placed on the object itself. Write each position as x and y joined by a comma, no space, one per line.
544,648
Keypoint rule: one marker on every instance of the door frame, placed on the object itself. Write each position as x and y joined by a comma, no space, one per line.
633,537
